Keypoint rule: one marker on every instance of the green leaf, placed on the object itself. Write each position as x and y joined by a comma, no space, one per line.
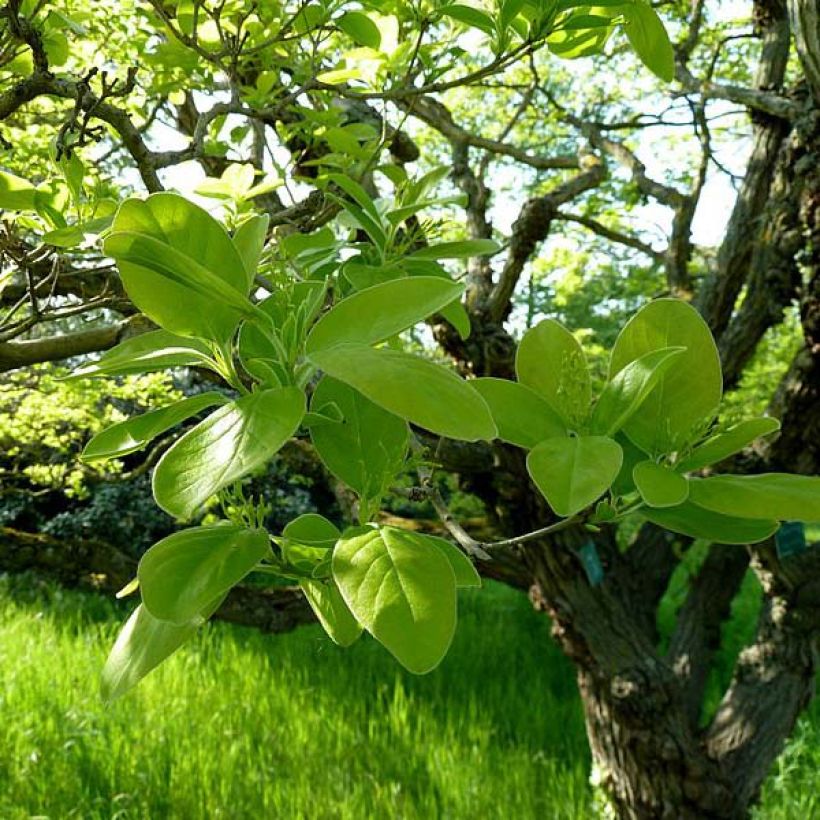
232,442
573,472
466,574
458,250
179,266
770,495
182,573
402,590
361,29
471,16
728,443
624,484
367,448
155,350
456,314
413,388
331,611
698,522
16,194
312,530
522,417
627,390
686,394
133,434
659,486
143,643
379,312
551,362
249,241
648,37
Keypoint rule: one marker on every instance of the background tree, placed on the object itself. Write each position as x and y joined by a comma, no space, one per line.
537,148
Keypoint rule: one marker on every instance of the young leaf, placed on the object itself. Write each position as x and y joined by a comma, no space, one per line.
698,522
155,350
770,495
466,574
552,363
728,443
626,391
458,250
249,241
228,445
144,643
379,312
572,472
361,29
331,611
133,434
179,266
313,530
402,590
367,448
471,16
413,388
648,37
16,194
180,574
686,393
659,486
624,483
522,417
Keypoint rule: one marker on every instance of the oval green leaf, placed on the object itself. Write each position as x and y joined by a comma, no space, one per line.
728,443
379,312
458,250
134,434
367,447
413,388
331,611
685,395
144,643
551,362
180,574
361,29
648,37
179,266
465,572
698,522
155,350
249,241
522,417
312,530
226,446
628,389
659,486
402,590
572,472
778,496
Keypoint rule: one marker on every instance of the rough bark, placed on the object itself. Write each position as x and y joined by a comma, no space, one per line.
719,292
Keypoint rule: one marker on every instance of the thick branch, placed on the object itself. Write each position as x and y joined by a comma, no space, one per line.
437,116
696,638
774,678
55,348
533,226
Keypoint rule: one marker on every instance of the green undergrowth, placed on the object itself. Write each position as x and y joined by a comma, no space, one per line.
241,724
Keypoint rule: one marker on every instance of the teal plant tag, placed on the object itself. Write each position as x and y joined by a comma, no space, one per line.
790,539
591,562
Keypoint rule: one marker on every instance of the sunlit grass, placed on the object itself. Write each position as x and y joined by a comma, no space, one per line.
248,725
241,724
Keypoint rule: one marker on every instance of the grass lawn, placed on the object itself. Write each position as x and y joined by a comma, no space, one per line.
245,725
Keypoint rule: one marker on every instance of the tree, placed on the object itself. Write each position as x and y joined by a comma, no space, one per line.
305,119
